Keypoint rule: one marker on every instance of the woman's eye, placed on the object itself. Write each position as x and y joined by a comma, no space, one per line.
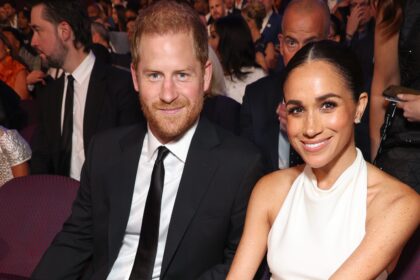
328,105
294,110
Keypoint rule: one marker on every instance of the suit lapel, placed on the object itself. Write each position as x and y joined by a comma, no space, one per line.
198,172
121,182
94,101
273,131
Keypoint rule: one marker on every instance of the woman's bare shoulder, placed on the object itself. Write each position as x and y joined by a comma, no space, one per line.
279,181
387,194
272,189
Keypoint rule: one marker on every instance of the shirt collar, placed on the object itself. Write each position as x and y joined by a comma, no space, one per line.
82,72
179,148
266,19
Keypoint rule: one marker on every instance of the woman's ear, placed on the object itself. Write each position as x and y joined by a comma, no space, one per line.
361,106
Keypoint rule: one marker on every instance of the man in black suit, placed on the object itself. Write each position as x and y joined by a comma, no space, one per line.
303,21
90,97
182,217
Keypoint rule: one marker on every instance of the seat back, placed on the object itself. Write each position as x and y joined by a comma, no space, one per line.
32,211
408,267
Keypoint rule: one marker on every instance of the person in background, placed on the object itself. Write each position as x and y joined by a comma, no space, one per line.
303,21
130,29
271,25
10,9
130,14
3,17
23,20
12,72
336,216
100,35
217,10
396,145
266,56
118,18
25,53
14,155
230,7
232,41
89,98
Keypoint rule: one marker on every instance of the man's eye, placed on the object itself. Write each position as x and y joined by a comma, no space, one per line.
153,76
183,76
291,43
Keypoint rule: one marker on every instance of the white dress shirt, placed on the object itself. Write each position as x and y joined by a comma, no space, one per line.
81,83
265,21
174,165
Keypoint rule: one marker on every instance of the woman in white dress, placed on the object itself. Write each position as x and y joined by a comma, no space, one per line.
337,217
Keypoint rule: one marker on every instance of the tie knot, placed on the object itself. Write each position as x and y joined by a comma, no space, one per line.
70,78
162,153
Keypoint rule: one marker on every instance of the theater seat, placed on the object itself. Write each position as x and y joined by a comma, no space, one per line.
32,211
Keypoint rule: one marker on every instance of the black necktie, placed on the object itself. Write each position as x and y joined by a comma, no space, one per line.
149,234
67,129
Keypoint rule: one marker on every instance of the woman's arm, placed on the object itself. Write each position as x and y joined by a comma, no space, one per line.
392,217
386,72
20,85
411,106
253,245
20,170
266,200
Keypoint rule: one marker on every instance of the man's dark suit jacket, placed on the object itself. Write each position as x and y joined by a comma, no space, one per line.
207,219
111,102
223,111
272,29
259,121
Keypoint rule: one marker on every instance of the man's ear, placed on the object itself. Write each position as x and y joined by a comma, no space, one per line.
65,32
208,71
133,71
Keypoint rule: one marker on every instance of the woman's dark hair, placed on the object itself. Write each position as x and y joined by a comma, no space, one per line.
338,56
236,48
121,25
390,13
74,13
16,33
6,42
19,37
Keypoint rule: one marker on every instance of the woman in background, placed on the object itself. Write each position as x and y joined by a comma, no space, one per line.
336,216
12,72
397,62
118,17
14,155
231,39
